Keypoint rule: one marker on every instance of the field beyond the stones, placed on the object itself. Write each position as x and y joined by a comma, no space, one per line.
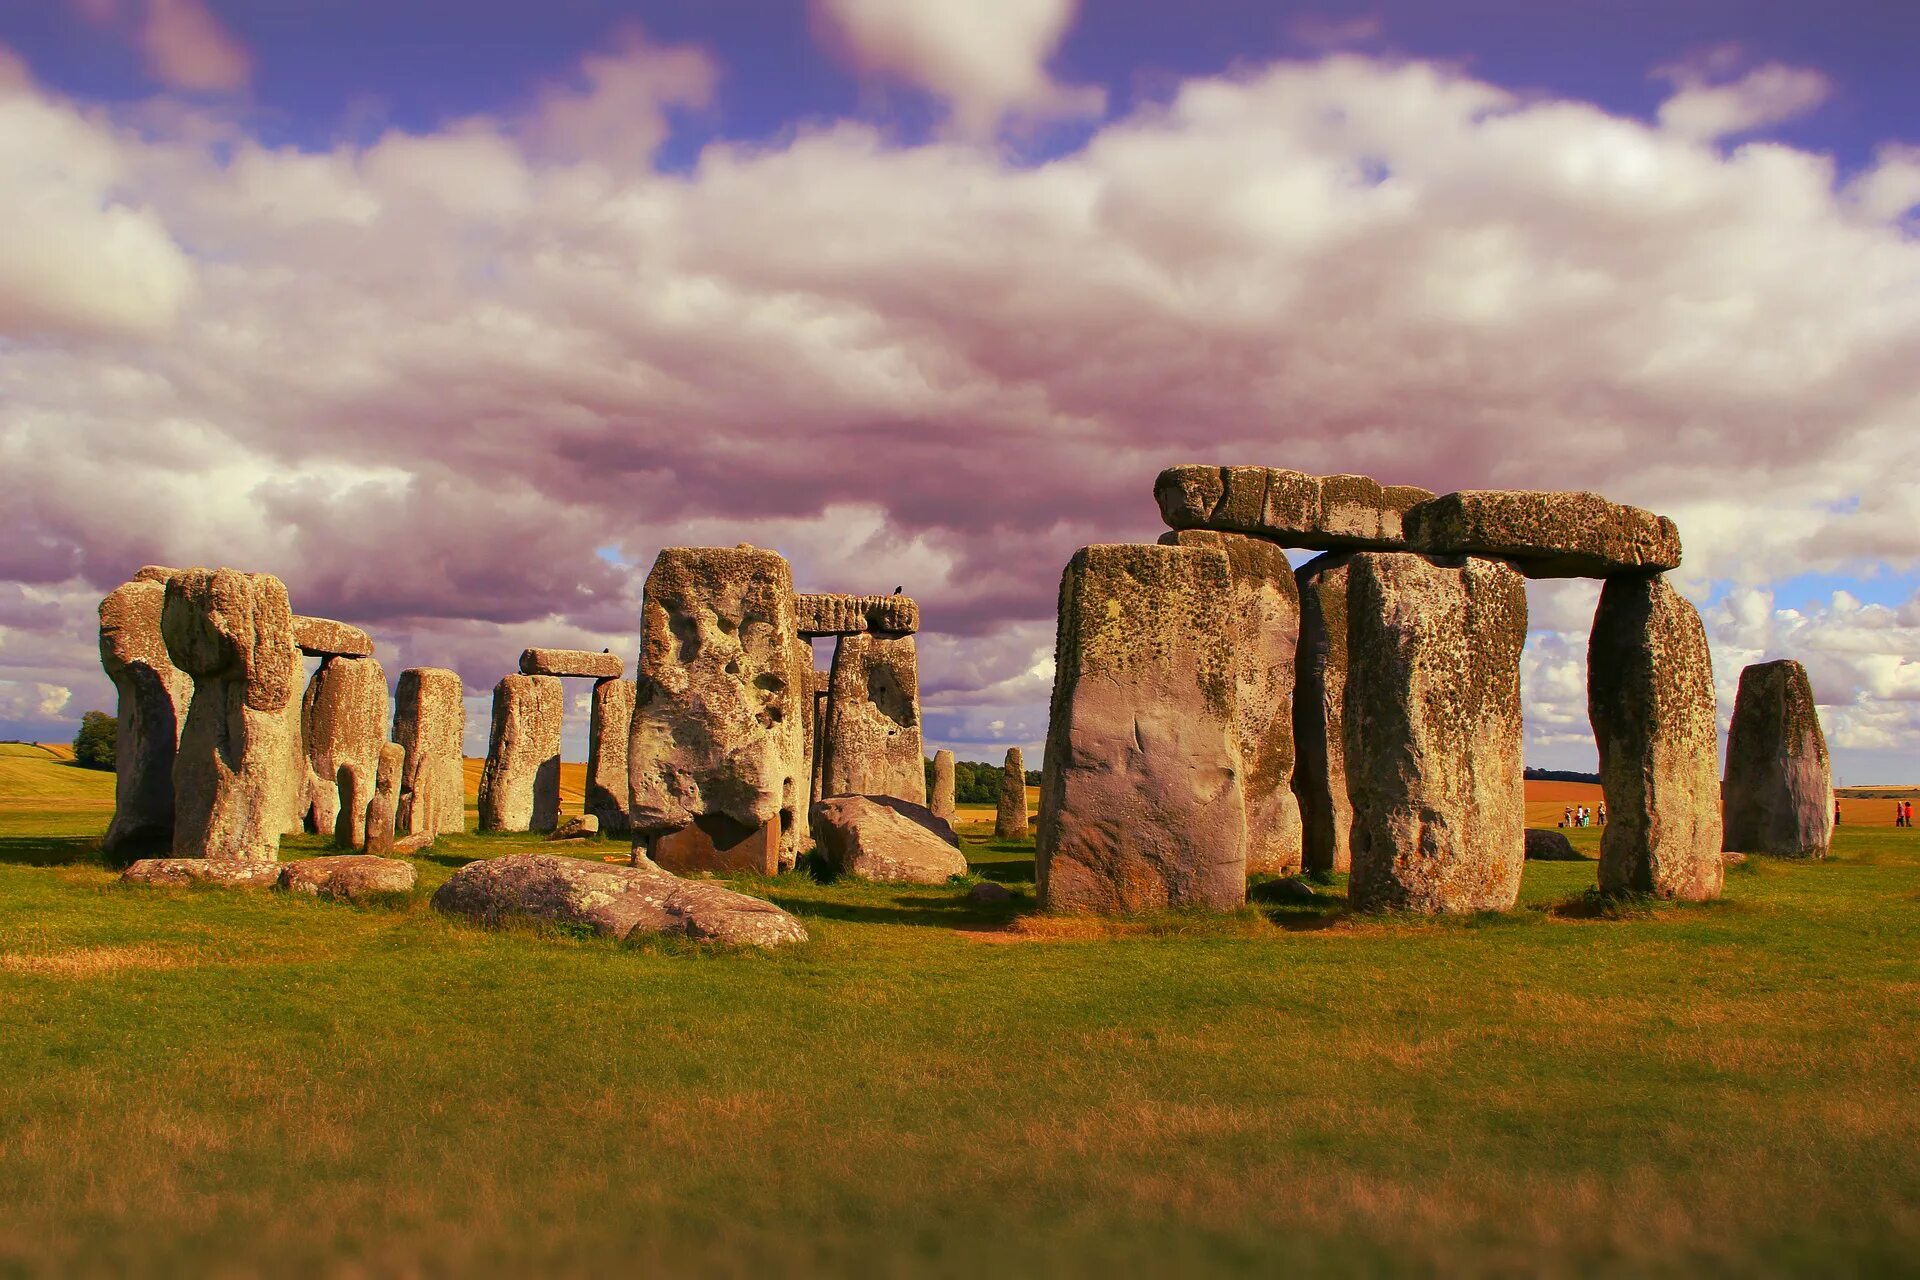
219,1082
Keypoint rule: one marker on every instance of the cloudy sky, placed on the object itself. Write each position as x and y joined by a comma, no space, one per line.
453,312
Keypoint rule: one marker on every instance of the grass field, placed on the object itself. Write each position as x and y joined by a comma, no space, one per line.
205,1082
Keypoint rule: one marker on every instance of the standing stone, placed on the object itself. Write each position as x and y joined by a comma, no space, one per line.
1650,695
353,792
1266,606
796,817
153,700
609,729
343,720
298,775
384,808
822,699
520,787
1319,715
942,805
232,633
430,724
712,747
1140,799
1434,762
873,719
1010,805
1779,786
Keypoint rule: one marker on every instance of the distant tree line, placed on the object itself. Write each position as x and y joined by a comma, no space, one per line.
93,745
976,782
1561,775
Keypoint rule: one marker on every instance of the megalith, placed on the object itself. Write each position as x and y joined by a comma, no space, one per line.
384,809
430,724
1319,715
1266,633
796,794
1778,795
604,665
1546,535
609,728
520,786
1140,802
353,792
1289,508
152,710
1010,802
325,638
343,720
1433,737
942,802
232,633
1650,696
873,719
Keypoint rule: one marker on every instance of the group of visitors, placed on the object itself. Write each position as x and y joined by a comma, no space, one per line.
1903,813
1581,816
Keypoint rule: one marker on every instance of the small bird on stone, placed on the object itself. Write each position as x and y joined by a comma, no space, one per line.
896,590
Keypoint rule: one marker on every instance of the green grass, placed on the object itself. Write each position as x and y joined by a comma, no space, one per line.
221,1082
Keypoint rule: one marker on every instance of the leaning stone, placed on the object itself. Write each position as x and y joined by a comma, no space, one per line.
1549,846
838,615
609,734
325,638
1433,733
942,803
878,838
873,720
244,873
1010,802
520,786
605,665
578,827
153,700
343,720
384,807
1140,803
1650,697
616,902
1779,784
351,877
1319,715
1291,508
1547,535
232,633
430,724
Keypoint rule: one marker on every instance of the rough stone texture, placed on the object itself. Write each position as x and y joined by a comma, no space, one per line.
245,873
796,818
1319,715
873,720
232,633
1650,695
350,877
298,776
1266,633
989,893
343,720
1779,785
578,827
430,724
942,802
325,638
384,808
520,785
1140,800
1010,804
879,839
1548,535
153,700
353,790
617,902
817,784
713,714
572,662
1434,765
1326,513
714,844
609,734
1551,846
821,614
407,846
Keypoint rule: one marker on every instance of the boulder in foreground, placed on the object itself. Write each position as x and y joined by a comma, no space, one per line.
881,838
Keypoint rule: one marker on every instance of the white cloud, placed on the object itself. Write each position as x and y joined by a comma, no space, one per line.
1708,106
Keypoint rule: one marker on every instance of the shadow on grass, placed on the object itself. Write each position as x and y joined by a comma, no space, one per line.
53,851
942,913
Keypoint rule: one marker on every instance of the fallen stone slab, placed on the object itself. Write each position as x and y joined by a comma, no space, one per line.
1545,535
244,873
351,877
407,846
826,614
325,638
885,839
615,902
1292,508
585,663
1550,846
578,827
1778,793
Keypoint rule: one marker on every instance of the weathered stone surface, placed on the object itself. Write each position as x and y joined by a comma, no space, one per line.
886,839
245,873
714,844
343,720
817,784
617,902
353,790
351,877
153,700
796,816
942,802
579,827
407,846
1547,535
520,786
1779,785
605,665
1434,764
383,809
1650,695
1266,632
232,633
1319,715
712,715
1140,799
1551,846
822,614
1010,804
297,776
1291,508
430,724
989,893
609,737
873,720
325,638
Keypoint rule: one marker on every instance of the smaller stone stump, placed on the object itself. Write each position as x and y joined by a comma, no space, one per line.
942,803
609,734
1010,804
429,723
384,808
1779,784
884,839
520,787
352,877
873,719
604,665
353,794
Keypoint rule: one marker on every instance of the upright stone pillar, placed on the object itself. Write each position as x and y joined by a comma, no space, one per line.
796,793
1319,715
520,787
822,699
1433,740
430,724
1779,785
609,730
873,719
343,720
942,805
1010,805
353,792
1140,801
1650,695
153,700
232,633
384,809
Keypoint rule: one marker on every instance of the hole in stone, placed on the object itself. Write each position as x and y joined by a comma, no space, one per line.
733,667
686,634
